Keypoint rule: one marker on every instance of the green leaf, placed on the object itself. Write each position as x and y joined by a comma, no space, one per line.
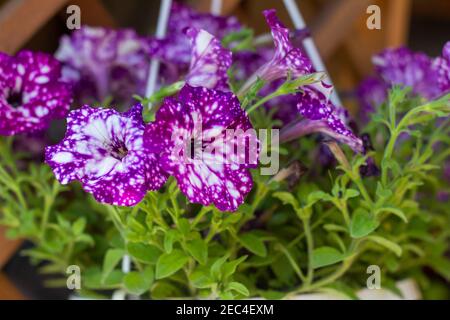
287,198
78,226
362,224
169,263
92,279
440,265
252,93
325,256
169,239
334,228
399,213
383,192
315,196
112,258
229,268
184,226
201,279
198,249
253,243
244,37
272,295
226,295
388,244
143,252
350,193
217,267
138,283
239,288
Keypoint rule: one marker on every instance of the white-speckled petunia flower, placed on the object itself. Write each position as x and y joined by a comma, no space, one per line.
403,67
442,67
174,49
313,101
104,63
206,141
31,93
210,61
104,150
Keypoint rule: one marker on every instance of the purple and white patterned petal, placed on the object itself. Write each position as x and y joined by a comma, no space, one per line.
104,63
207,143
175,48
442,67
312,101
342,133
287,58
210,61
403,67
332,127
314,105
104,150
31,92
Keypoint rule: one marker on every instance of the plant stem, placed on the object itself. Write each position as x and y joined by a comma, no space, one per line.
293,263
310,248
262,101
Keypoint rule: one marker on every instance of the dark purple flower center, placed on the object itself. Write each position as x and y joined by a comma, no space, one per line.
15,99
118,150
195,147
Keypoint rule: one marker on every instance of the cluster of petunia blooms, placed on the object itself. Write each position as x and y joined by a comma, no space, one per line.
201,135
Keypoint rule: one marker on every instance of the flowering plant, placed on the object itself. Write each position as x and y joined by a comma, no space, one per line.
209,186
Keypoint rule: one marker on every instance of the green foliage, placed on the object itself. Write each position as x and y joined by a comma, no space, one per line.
319,234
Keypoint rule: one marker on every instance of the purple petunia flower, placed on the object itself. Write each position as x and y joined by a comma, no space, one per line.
210,61
286,57
313,101
31,93
442,67
429,78
371,93
406,68
103,149
206,141
103,63
175,49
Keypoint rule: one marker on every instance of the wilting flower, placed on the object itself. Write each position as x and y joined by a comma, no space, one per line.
103,63
209,62
175,49
103,149
205,140
313,100
31,93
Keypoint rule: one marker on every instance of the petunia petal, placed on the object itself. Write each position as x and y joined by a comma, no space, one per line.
31,93
102,63
104,150
207,143
210,61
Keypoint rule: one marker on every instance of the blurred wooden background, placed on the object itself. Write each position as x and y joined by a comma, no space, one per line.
338,27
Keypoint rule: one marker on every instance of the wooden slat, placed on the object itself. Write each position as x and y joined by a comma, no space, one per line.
335,23
8,290
228,6
399,15
7,247
94,13
365,43
20,19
